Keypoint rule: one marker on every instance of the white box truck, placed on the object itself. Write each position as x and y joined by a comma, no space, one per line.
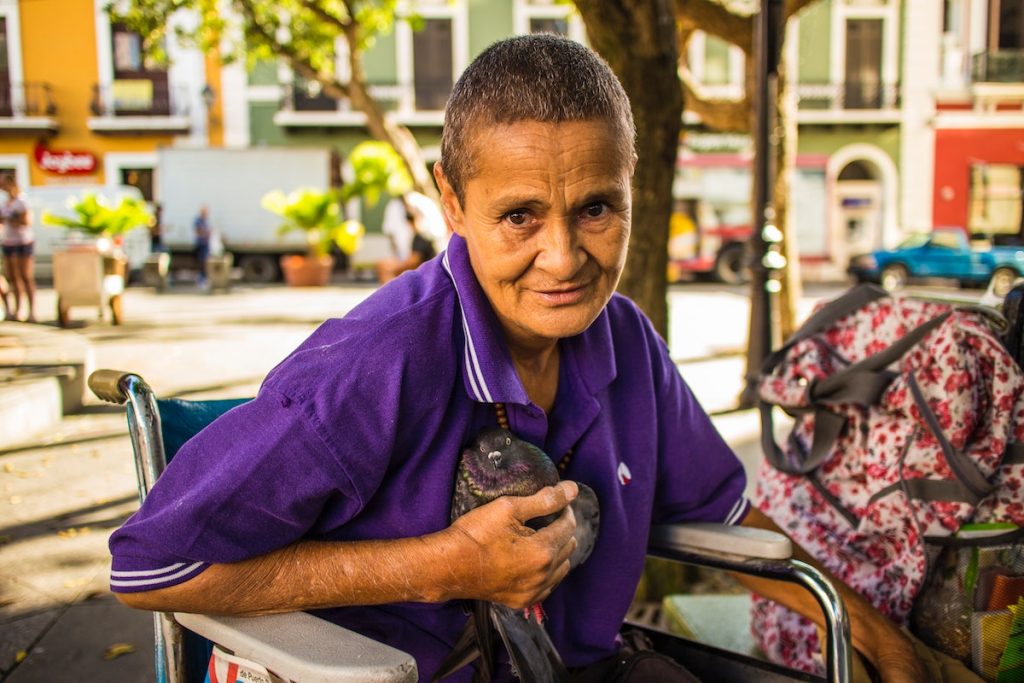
231,183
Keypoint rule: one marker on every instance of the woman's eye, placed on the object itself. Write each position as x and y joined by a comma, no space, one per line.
517,217
595,210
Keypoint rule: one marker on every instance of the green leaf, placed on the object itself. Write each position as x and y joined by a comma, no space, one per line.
93,216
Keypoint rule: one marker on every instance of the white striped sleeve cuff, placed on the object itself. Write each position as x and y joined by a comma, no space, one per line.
738,512
136,580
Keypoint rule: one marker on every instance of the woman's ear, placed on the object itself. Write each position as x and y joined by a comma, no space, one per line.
450,205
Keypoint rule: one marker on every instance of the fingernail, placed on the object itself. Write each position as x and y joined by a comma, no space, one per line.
573,490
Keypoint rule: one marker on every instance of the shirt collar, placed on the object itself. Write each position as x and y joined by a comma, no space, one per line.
490,376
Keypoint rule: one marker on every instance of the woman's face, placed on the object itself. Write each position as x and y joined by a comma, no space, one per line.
546,219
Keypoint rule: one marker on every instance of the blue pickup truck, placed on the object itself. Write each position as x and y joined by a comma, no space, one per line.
943,253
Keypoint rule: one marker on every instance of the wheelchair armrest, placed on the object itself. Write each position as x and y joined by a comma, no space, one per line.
735,543
300,647
763,553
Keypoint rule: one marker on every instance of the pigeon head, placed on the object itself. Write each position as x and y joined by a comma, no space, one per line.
497,463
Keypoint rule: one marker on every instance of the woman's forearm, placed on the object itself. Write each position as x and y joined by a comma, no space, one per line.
311,575
487,554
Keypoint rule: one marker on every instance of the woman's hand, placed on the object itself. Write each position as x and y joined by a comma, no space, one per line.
492,554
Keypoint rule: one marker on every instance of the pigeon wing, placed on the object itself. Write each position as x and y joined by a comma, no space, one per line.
588,519
533,655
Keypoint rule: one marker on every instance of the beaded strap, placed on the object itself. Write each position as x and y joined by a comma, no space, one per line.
499,410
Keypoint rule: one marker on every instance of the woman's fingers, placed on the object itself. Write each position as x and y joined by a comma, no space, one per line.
547,501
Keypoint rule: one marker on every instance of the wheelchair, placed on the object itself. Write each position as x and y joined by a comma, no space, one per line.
301,648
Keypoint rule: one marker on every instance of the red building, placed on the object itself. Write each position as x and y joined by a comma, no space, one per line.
979,119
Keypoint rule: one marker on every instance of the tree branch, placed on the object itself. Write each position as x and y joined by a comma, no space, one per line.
795,6
337,22
716,20
728,116
297,61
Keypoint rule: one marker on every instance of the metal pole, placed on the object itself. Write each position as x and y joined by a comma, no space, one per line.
768,35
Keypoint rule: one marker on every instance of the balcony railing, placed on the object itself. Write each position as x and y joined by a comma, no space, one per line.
1001,66
421,97
27,100
848,96
139,97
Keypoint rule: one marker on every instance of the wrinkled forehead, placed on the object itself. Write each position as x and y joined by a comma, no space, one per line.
489,142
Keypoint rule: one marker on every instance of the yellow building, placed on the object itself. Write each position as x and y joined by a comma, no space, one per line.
79,104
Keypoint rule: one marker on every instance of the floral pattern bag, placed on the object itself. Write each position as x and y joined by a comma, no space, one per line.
908,417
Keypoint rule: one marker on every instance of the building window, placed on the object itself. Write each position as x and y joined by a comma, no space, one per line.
433,64
309,96
716,62
559,25
6,107
717,65
141,178
138,88
127,51
995,199
1011,25
863,64
547,16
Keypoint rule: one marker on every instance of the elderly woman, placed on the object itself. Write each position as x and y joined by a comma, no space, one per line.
331,491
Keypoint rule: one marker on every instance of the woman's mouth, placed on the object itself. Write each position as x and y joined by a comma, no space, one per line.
563,295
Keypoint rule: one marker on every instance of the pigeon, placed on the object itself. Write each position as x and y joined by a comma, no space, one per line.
495,464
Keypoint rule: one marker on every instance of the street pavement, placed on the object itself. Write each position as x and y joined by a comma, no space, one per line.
63,493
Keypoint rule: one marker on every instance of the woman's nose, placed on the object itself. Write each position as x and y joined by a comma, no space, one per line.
560,253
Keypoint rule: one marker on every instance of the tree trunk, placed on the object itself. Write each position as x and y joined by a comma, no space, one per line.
638,39
786,166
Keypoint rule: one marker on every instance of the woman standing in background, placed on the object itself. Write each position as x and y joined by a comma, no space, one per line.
17,243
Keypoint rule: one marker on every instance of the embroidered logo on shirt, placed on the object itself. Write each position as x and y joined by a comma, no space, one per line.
625,476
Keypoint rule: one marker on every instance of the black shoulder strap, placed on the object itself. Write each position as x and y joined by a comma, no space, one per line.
860,384
854,299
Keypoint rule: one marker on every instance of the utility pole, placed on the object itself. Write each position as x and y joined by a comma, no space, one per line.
765,255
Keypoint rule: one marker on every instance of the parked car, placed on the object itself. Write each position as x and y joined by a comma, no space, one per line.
943,253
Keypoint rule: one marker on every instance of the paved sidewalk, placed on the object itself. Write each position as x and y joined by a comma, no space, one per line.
62,494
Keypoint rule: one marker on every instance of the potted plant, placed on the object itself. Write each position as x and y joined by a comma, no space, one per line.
376,168
91,269
318,214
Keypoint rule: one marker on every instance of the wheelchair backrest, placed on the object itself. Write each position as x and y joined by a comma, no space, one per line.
180,420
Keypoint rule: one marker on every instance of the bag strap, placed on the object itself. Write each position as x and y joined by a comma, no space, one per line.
976,485
854,299
860,384
1014,454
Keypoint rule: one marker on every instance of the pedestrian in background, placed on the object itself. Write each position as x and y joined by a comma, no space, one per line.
18,242
417,230
156,230
5,293
202,242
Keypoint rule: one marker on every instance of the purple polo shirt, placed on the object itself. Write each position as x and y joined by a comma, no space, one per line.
357,433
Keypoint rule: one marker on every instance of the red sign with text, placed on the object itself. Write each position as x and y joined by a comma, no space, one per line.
65,161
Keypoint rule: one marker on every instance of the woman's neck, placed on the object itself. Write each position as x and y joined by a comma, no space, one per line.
538,371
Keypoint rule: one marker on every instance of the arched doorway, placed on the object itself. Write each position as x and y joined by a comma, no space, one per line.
858,207
861,180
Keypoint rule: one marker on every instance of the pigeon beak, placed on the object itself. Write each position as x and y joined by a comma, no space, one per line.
495,458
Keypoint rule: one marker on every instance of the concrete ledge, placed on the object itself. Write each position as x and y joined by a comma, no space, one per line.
28,408
34,351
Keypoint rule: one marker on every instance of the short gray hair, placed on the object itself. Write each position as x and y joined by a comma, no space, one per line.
539,77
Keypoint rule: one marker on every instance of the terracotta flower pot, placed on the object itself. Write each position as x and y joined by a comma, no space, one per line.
304,271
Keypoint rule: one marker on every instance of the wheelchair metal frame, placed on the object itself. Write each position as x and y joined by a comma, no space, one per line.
736,549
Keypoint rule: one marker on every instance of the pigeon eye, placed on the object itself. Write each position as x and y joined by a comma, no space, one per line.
508,441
